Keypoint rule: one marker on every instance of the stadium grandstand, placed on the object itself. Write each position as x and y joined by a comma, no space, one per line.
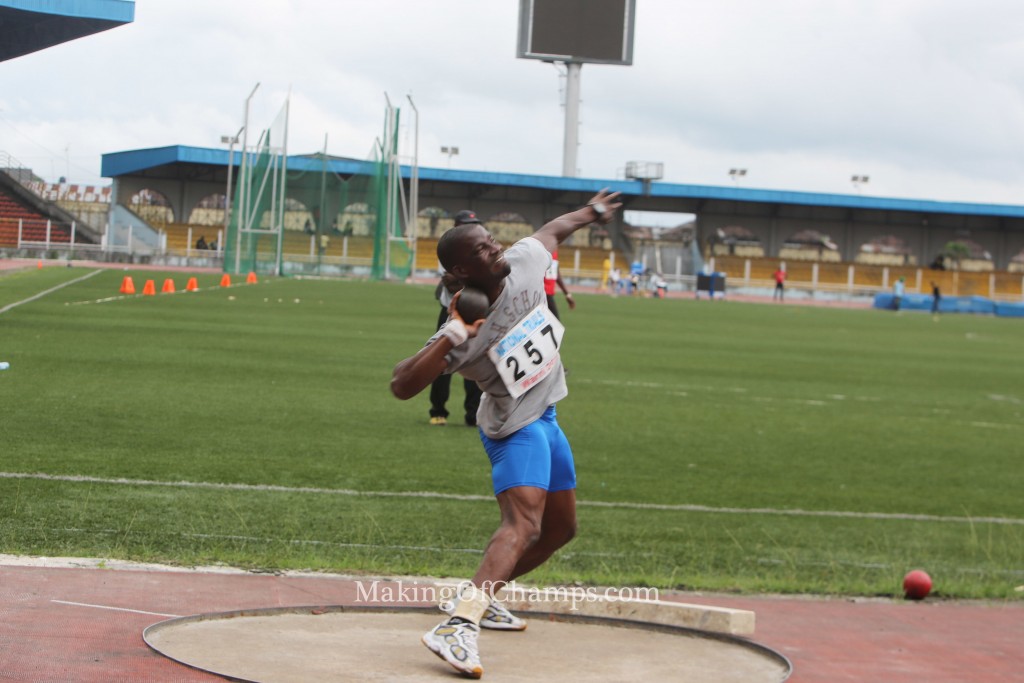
162,201
36,219
171,205
33,25
852,245
31,223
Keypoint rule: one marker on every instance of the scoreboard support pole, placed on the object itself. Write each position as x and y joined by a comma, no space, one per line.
570,145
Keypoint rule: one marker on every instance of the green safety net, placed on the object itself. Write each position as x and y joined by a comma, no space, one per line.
297,215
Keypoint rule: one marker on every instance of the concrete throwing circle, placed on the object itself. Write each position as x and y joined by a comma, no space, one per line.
383,644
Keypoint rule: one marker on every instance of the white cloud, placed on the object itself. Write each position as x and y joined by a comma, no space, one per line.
921,95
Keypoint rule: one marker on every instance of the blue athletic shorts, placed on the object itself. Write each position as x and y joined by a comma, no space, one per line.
536,455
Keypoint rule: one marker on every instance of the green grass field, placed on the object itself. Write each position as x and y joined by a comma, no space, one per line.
719,446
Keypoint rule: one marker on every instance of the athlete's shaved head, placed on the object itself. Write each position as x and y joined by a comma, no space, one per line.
448,245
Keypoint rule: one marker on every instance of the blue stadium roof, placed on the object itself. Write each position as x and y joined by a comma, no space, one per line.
151,161
30,25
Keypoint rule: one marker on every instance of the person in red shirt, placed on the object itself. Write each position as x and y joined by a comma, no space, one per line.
780,286
551,278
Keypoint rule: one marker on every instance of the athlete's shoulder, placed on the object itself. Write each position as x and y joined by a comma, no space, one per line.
529,248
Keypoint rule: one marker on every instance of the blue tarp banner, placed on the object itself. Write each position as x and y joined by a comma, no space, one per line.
951,304
1010,310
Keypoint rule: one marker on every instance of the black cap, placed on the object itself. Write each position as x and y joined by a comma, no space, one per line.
466,216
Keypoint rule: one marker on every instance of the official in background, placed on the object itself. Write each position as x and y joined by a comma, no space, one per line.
440,388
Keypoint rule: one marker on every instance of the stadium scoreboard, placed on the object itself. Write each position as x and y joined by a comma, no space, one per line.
577,31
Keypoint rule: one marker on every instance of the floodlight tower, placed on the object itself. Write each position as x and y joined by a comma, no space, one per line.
551,31
450,151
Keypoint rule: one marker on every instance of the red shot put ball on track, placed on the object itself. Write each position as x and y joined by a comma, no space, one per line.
472,305
917,585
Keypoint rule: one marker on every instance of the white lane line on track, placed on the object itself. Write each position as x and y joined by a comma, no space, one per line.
40,295
790,512
116,609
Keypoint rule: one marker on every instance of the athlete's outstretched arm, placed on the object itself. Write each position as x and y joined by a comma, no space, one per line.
555,232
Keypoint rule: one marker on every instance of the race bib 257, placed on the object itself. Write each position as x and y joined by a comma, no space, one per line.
529,352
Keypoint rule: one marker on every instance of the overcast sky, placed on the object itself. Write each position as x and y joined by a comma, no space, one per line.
923,96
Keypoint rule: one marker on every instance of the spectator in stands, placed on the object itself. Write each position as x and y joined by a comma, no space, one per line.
780,283
201,242
615,279
658,286
440,388
898,288
554,277
213,246
636,271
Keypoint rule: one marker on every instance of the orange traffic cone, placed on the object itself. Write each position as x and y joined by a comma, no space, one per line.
39,264
149,289
168,287
250,279
127,286
191,285
225,281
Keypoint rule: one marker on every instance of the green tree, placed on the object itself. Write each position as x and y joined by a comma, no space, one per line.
957,251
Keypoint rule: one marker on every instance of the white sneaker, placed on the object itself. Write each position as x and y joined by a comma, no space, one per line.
456,644
497,616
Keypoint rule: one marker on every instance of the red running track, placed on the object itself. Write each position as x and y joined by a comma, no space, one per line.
60,623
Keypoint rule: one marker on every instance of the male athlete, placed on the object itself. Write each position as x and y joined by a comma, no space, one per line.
513,354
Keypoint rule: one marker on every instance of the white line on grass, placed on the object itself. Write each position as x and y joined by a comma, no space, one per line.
122,297
240,487
50,290
681,390
303,541
339,544
792,512
116,609
797,512
947,571
418,548
175,292
101,301
992,425
289,541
